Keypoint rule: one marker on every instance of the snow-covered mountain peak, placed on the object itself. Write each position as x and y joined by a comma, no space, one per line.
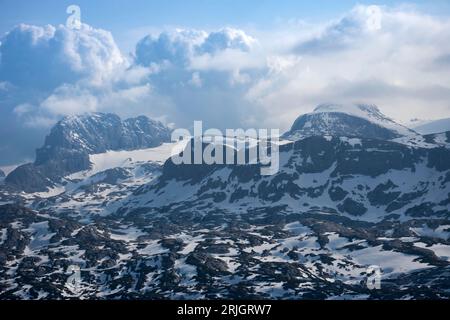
347,108
367,111
67,148
99,132
360,120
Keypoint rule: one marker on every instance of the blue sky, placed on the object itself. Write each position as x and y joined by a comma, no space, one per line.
229,63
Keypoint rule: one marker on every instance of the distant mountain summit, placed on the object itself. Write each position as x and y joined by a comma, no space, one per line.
359,120
99,132
67,148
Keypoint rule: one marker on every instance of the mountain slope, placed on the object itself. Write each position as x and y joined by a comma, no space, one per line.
98,133
100,190
73,139
359,178
365,121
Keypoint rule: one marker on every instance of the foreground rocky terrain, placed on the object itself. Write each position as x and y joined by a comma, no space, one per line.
137,226
265,254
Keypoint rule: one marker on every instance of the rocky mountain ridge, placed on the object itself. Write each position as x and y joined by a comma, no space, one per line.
67,148
362,121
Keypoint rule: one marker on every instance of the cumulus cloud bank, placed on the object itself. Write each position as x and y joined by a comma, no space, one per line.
45,57
34,63
390,57
395,57
205,76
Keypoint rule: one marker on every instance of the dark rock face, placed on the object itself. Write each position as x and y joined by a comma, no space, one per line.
355,177
111,176
142,132
15,240
337,193
317,154
206,264
352,207
73,139
98,133
382,195
338,124
438,159
28,178
431,138
363,121
2,174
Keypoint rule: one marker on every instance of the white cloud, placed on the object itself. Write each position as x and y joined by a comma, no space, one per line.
228,60
5,86
203,74
70,100
46,57
227,38
196,80
52,71
23,108
174,47
392,57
